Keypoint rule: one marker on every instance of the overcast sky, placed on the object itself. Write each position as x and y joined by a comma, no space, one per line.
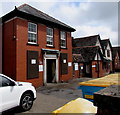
88,17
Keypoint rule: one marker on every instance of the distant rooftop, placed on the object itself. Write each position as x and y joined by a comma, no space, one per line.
87,53
115,50
85,41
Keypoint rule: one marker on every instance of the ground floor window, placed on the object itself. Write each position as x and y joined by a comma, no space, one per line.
64,63
32,64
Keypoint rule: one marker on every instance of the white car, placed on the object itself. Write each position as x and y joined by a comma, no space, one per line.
14,94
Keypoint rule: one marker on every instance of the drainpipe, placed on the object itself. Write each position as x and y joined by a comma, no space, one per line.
98,64
59,67
1,45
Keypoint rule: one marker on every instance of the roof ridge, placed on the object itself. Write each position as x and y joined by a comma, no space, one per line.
43,13
87,37
21,6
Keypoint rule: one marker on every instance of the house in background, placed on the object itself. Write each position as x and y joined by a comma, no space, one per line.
116,58
88,66
93,57
37,48
107,53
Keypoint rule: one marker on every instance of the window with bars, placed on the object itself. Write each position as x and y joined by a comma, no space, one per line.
63,39
49,36
32,33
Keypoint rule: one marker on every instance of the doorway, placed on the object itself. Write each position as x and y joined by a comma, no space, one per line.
87,70
51,70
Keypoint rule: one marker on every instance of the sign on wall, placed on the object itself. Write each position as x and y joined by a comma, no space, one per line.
64,61
76,66
40,68
93,65
69,64
81,67
33,61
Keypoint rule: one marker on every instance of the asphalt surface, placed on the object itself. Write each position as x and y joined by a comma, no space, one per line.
53,96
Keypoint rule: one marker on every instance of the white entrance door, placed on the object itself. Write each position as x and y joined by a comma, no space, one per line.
51,63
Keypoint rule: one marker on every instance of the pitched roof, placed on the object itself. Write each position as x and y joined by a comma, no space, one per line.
88,53
77,58
104,44
85,41
29,12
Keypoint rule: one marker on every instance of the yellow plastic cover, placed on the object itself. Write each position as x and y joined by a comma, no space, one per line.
79,105
111,79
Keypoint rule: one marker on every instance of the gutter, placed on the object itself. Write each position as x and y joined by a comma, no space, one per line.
27,16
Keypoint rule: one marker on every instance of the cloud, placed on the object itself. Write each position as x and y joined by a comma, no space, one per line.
91,18
103,31
86,17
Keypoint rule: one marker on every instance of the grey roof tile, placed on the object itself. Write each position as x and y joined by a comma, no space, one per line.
85,41
33,11
88,53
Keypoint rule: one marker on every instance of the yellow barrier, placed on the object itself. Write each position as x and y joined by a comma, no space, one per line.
111,79
79,105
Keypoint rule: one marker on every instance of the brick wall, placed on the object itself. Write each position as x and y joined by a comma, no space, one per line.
9,49
117,62
96,73
15,50
107,70
69,52
78,73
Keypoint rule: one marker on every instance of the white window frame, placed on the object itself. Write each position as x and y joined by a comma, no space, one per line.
50,36
61,38
35,33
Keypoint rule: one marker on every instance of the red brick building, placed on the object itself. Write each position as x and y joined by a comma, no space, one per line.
92,57
116,58
37,48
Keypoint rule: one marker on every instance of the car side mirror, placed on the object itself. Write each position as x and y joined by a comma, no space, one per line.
12,84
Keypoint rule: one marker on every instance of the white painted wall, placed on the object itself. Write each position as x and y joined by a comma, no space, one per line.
108,48
0,47
98,44
97,57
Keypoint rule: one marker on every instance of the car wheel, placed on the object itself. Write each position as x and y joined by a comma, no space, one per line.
26,102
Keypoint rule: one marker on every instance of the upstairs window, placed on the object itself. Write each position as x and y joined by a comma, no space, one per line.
32,33
49,36
108,53
63,39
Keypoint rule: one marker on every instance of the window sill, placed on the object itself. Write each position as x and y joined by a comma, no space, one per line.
32,44
50,46
32,78
64,48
